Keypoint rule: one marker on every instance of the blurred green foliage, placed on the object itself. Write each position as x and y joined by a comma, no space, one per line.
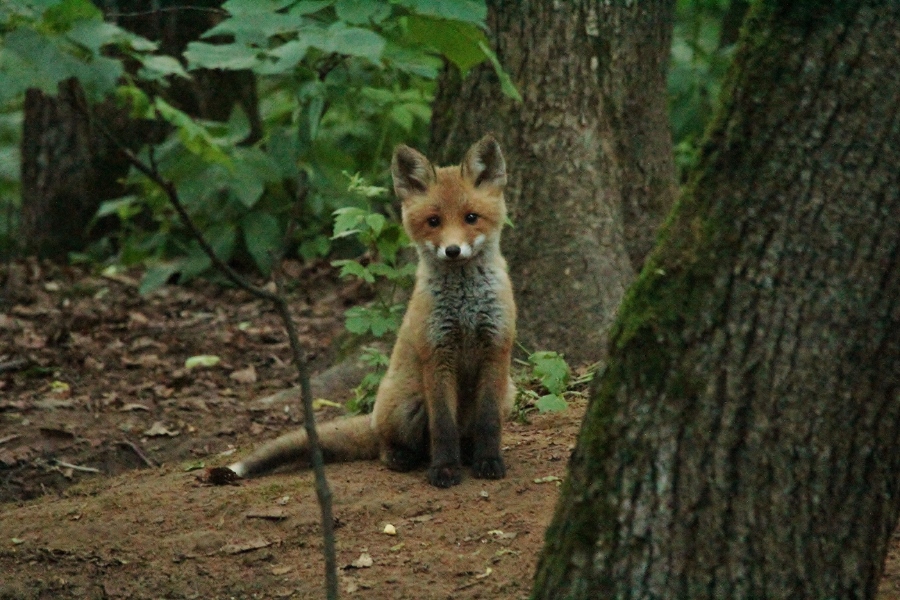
340,82
701,54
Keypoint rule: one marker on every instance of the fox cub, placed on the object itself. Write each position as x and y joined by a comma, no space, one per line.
448,385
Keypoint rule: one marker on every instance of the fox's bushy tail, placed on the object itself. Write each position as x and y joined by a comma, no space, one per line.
342,440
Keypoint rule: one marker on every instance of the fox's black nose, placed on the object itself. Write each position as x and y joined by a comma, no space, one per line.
452,251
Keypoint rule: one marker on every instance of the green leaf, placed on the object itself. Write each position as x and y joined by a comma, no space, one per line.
195,138
347,221
461,43
202,360
160,67
94,34
362,11
381,324
136,100
470,11
412,61
64,14
222,238
551,403
254,29
315,247
287,55
124,208
355,269
374,357
252,169
552,370
402,117
316,108
308,7
156,276
341,39
357,320
262,237
392,273
195,262
231,57
376,222
30,60
506,84
284,151
254,7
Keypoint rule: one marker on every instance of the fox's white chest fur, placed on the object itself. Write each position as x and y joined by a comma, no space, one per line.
467,308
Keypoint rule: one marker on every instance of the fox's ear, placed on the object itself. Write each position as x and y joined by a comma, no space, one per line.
484,164
411,171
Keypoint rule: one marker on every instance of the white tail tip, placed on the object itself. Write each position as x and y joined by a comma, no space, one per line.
238,468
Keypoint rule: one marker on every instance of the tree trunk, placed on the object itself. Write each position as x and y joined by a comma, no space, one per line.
68,169
743,440
588,151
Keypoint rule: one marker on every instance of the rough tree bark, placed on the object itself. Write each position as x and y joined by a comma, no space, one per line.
743,440
589,154
68,169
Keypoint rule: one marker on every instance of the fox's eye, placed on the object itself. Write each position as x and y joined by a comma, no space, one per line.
471,218
434,221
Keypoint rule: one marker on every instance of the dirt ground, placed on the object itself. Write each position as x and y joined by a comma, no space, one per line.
104,432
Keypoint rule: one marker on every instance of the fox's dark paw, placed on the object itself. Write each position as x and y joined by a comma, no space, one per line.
489,468
445,476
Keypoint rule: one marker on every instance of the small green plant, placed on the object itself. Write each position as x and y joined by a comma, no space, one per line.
546,382
364,394
383,267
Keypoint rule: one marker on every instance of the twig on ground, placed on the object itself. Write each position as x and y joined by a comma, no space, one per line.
65,465
139,453
16,364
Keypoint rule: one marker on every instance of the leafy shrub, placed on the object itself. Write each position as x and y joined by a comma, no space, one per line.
384,267
341,82
545,383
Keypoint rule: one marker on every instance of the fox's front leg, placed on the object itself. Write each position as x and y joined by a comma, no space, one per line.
493,385
441,399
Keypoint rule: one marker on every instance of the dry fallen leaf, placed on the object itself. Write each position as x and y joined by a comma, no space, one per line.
247,375
158,430
271,514
547,479
61,389
363,562
53,403
421,518
9,438
500,535
254,544
137,319
93,364
320,403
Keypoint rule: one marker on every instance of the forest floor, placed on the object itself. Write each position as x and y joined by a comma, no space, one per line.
104,435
